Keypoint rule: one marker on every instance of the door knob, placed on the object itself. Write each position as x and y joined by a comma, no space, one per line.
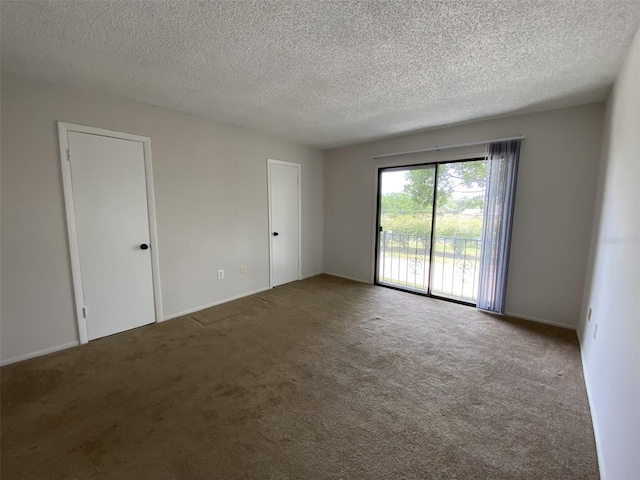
275,234
144,246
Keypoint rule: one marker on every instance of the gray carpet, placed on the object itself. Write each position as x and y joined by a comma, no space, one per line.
319,379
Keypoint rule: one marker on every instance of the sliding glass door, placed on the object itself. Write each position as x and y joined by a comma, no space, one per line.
458,221
430,220
405,219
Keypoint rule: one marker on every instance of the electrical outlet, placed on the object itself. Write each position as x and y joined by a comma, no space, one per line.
595,331
220,274
242,269
589,315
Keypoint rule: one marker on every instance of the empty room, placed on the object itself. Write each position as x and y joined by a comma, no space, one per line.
308,239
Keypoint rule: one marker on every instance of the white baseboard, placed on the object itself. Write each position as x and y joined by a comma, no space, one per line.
311,275
540,320
359,280
39,353
213,304
594,418
46,351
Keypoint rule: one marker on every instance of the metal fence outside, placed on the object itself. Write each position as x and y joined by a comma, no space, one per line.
404,261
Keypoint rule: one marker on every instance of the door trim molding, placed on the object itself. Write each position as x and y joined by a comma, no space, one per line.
63,129
270,162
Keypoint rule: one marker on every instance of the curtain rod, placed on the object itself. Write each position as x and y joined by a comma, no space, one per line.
437,148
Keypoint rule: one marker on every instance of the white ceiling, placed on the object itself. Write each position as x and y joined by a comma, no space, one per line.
328,73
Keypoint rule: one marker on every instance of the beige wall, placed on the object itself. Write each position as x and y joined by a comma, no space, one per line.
553,215
611,356
210,184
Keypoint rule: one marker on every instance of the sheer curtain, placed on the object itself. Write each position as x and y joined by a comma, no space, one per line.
502,170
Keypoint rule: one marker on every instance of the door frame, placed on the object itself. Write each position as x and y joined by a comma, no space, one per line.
402,161
378,168
270,162
74,254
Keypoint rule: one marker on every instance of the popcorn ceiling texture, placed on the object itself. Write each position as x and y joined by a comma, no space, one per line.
328,73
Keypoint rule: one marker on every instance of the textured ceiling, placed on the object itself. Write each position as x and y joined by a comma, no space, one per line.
328,73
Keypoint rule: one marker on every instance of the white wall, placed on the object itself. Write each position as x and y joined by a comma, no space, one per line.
211,196
611,360
554,205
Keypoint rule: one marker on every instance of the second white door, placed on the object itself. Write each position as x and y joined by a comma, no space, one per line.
284,221
112,230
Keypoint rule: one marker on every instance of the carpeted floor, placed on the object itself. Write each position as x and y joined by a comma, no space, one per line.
319,379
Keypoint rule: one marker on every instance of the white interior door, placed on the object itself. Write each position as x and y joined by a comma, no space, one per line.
284,206
112,229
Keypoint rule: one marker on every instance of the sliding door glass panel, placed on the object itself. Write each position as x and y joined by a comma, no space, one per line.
405,216
458,224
